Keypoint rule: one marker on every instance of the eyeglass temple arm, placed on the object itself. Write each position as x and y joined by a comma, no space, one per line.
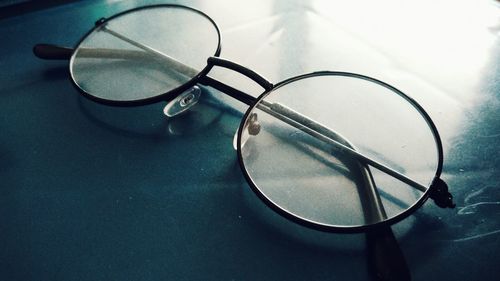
326,135
385,257
439,190
52,52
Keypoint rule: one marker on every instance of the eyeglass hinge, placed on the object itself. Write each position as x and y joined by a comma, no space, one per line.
439,193
100,21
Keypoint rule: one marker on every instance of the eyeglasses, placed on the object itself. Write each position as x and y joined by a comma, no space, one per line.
333,151
306,145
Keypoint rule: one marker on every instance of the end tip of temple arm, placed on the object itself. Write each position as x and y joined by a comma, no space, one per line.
440,195
52,52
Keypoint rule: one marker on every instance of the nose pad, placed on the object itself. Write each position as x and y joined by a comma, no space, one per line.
251,128
183,102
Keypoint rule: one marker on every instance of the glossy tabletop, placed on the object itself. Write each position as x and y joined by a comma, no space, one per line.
94,192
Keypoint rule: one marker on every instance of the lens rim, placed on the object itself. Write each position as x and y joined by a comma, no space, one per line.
167,96
339,228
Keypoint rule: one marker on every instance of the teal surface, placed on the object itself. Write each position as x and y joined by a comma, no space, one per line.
93,192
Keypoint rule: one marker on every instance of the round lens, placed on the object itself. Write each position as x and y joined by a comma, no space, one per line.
144,53
299,160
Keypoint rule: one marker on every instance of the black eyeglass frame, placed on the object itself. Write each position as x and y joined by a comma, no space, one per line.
438,190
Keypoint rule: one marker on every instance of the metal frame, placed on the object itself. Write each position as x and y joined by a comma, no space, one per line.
437,190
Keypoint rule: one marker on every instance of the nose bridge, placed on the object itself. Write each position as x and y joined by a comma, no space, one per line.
257,78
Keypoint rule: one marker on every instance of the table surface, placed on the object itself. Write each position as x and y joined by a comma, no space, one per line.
93,192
